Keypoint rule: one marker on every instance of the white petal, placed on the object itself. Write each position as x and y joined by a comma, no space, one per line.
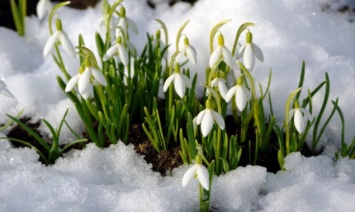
87,94
189,174
200,117
203,177
218,118
43,7
179,85
132,25
99,77
249,57
50,44
110,52
258,53
123,55
72,82
239,53
216,54
241,97
123,23
214,82
84,81
231,93
207,123
168,82
67,44
299,121
228,58
222,89
290,114
191,54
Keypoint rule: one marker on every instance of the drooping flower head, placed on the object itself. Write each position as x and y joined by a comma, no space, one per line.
189,51
241,93
43,8
249,52
222,52
199,172
117,48
181,82
220,83
61,37
300,117
87,76
125,22
207,117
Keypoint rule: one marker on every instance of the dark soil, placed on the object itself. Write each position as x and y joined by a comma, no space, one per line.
165,161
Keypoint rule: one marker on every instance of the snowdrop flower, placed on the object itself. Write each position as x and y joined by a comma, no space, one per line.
125,22
181,82
220,83
207,117
249,51
117,48
222,52
59,36
300,117
197,171
242,94
4,91
85,78
189,51
43,8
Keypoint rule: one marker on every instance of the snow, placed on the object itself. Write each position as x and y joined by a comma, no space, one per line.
117,179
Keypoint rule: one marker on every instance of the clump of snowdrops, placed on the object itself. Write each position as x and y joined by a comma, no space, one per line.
116,87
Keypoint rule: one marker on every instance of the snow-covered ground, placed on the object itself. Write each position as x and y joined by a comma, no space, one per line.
117,179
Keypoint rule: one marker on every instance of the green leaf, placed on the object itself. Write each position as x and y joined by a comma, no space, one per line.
281,160
31,132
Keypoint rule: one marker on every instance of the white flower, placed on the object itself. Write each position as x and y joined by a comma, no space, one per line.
207,117
220,83
117,48
300,117
181,82
222,51
61,36
189,51
43,8
4,91
85,80
126,23
242,94
197,171
249,51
